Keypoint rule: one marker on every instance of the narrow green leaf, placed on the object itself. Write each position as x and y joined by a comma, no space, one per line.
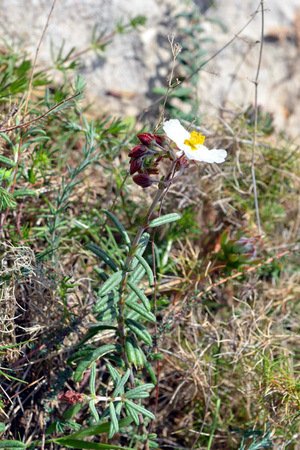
71,412
74,443
24,192
108,316
7,161
94,410
132,413
113,281
151,372
101,273
141,248
132,296
103,255
98,353
130,350
138,396
139,330
137,273
7,139
94,331
120,386
135,306
4,347
7,375
140,294
2,427
140,357
168,218
12,444
85,353
139,391
147,268
140,409
93,379
132,315
214,425
104,304
118,225
118,408
113,373
114,428
94,430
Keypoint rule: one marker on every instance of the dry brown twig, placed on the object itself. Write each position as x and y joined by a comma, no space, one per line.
175,49
3,218
236,36
247,271
30,88
255,119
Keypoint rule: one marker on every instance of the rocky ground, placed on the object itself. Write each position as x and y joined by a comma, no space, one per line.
122,81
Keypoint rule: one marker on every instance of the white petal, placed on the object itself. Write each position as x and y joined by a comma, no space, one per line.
218,155
203,154
176,132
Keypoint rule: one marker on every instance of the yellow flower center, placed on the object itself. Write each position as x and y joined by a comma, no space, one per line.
194,140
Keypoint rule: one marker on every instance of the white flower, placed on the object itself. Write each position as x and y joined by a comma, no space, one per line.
192,143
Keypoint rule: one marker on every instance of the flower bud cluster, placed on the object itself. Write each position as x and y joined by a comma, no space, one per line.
145,157
71,397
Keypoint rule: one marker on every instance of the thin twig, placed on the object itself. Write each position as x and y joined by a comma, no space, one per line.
25,110
222,48
42,116
176,49
255,120
247,271
4,216
236,36
30,89
100,43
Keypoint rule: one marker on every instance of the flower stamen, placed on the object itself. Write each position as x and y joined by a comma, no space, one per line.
194,140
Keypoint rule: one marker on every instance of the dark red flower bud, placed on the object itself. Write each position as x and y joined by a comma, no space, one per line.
146,138
159,139
137,151
71,397
135,165
153,171
143,180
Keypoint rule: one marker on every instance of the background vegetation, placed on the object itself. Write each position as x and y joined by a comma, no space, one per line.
223,349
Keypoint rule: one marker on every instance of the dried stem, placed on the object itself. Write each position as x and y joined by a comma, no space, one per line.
3,218
35,57
208,60
247,271
30,87
42,116
222,48
176,49
255,119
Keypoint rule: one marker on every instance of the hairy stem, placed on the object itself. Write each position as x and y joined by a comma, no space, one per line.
121,318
